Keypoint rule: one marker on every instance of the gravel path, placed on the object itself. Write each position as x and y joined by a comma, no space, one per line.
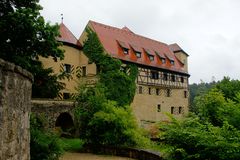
88,156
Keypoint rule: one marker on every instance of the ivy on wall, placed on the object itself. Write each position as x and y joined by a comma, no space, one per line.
118,79
103,114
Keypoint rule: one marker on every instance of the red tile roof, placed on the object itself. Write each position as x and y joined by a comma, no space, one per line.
66,36
113,39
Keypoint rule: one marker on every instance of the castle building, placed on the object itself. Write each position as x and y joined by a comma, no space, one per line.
162,82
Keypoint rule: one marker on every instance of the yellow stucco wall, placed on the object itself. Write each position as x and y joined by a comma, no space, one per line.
145,106
75,58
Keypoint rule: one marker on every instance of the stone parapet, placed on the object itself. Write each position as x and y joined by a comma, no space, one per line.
140,154
15,96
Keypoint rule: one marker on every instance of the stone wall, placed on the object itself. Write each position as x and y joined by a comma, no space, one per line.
15,96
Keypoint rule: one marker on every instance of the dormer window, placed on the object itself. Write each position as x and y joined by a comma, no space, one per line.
124,46
151,57
138,54
163,60
172,62
137,50
125,50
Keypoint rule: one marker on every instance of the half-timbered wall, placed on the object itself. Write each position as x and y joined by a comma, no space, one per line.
161,78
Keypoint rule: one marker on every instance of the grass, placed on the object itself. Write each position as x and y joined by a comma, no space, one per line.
71,145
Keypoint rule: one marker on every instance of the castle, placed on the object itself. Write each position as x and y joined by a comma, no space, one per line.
162,82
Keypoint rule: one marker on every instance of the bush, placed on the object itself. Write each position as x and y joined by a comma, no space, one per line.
190,139
104,122
44,145
71,144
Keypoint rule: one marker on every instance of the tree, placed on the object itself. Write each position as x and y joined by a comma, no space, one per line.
24,36
229,87
197,90
190,139
210,107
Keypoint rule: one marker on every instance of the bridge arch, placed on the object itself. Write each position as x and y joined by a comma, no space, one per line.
65,122
58,113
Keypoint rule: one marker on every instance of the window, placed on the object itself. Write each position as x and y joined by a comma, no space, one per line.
66,95
149,91
182,79
138,54
157,91
67,68
180,109
125,50
154,75
84,71
168,93
173,78
172,62
140,90
159,107
172,110
185,94
151,57
165,76
163,60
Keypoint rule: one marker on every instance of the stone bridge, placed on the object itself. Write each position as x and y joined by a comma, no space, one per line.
56,113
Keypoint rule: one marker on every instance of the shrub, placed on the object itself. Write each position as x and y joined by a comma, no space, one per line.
190,139
43,144
104,122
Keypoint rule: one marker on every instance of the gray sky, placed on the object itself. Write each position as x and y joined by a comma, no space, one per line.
208,30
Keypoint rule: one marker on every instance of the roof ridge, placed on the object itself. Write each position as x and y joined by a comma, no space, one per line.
131,33
68,30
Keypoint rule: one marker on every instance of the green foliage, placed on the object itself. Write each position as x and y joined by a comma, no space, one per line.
197,90
214,108
229,87
210,106
72,145
44,145
24,36
104,122
103,113
191,139
46,84
117,79
113,126
213,132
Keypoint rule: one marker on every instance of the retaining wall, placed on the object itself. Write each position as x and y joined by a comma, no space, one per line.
15,97
139,154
